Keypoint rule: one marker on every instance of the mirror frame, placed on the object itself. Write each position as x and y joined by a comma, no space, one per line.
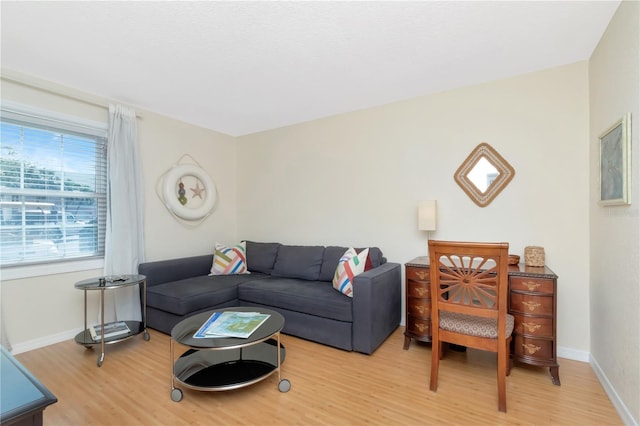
505,174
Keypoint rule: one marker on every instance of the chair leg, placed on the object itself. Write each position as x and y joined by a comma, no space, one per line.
436,354
503,360
508,357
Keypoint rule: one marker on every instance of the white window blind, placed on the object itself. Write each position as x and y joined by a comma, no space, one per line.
53,182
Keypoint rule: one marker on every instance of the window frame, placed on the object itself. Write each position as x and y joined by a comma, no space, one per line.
63,123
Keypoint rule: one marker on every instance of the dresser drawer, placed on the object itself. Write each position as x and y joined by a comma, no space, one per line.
533,348
419,326
419,307
418,289
538,285
533,326
418,274
530,304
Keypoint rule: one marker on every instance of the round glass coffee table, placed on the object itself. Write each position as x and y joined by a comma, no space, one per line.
225,363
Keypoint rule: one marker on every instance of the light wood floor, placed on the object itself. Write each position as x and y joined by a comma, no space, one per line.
329,387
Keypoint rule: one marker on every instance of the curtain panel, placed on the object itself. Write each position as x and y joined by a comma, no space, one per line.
124,240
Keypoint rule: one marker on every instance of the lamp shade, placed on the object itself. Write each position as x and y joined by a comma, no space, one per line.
427,215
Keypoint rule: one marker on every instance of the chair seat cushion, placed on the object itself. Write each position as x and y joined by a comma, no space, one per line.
472,325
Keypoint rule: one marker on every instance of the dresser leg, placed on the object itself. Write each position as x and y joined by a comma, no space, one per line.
555,375
407,340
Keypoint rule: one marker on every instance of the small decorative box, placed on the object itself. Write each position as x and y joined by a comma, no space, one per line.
534,256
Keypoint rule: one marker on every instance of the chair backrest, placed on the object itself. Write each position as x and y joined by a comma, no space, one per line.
469,277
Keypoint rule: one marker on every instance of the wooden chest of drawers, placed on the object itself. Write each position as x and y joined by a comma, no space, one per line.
532,301
418,304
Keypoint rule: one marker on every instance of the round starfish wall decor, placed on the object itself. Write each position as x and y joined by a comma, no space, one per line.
187,192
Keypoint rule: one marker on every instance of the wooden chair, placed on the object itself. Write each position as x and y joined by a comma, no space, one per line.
469,303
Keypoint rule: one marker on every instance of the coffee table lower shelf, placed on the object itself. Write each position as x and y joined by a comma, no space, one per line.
225,369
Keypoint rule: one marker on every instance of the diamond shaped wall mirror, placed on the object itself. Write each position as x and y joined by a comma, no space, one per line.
484,174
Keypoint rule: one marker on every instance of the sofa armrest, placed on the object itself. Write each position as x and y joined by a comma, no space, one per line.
377,306
164,271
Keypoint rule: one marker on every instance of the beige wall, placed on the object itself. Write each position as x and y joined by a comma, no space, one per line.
357,178
614,71
163,142
46,309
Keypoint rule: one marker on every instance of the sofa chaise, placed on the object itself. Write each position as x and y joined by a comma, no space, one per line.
295,281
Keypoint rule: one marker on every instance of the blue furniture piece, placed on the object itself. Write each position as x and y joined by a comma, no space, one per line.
295,281
22,397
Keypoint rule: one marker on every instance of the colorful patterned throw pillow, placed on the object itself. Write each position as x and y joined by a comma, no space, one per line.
229,260
351,264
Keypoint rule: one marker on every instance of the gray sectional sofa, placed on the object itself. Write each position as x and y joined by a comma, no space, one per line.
295,281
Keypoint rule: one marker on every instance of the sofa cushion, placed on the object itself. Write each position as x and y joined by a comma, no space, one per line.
316,298
192,294
302,262
229,260
332,255
261,256
351,264
164,271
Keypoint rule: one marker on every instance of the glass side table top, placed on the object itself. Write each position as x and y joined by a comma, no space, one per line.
110,281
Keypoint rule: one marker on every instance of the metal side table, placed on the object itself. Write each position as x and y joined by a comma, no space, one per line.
103,284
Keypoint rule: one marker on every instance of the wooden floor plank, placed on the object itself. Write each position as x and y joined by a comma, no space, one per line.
329,387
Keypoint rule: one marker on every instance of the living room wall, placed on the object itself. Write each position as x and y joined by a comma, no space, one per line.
614,89
357,178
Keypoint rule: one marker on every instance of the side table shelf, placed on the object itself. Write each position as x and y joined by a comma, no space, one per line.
110,283
84,337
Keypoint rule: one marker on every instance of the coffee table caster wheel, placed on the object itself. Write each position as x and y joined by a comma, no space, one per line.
176,395
100,360
284,385
147,336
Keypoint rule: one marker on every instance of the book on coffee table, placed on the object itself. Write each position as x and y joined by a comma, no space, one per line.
231,324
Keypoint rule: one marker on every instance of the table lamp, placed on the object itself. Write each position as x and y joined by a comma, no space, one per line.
427,216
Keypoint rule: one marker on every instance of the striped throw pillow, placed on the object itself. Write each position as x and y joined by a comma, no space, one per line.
229,260
351,264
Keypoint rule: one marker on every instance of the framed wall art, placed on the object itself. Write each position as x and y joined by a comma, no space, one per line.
615,163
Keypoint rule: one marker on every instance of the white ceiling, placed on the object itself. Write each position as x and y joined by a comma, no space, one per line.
242,67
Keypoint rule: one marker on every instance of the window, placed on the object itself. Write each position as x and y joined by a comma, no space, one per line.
53,182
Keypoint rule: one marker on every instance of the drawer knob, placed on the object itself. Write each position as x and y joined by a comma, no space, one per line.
530,348
532,306
531,326
531,285
421,291
422,274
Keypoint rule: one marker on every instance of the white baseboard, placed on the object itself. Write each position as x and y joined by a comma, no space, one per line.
30,345
573,354
585,356
620,407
